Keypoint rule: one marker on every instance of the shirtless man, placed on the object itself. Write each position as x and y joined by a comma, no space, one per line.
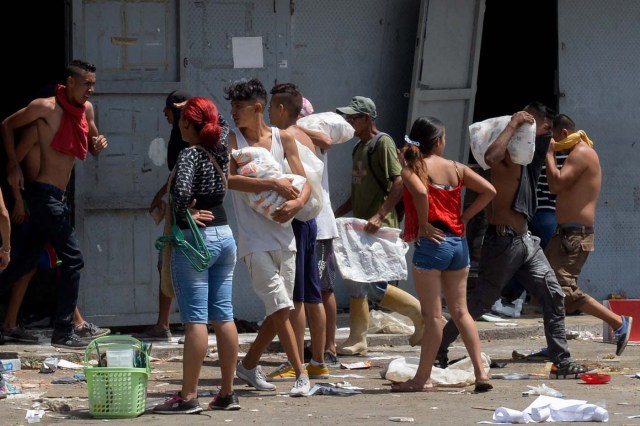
577,187
66,130
266,246
284,107
28,155
509,250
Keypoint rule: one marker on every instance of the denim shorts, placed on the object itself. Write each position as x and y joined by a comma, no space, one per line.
452,254
206,296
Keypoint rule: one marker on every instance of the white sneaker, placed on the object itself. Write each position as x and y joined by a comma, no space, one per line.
301,386
255,377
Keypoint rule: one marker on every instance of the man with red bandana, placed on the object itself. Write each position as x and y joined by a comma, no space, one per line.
67,130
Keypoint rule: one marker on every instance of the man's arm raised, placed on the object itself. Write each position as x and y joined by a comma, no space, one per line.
97,142
497,151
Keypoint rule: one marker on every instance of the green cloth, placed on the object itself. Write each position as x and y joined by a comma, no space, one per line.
366,194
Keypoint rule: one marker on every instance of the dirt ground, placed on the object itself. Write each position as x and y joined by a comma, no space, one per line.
375,405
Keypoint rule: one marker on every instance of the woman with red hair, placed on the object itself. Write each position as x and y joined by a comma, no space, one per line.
198,188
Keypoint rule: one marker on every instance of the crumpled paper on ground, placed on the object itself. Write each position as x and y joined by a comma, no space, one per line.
551,409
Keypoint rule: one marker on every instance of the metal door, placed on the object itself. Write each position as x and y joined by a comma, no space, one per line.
137,50
445,68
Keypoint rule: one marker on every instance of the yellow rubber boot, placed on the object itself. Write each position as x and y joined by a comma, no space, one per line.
356,343
400,301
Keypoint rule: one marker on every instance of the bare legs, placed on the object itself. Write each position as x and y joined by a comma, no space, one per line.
331,320
429,284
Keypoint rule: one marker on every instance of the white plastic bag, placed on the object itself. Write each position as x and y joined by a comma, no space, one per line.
313,168
521,146
458,374
365,257
330,123
258,162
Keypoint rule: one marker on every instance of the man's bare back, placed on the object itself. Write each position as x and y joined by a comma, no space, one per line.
505,177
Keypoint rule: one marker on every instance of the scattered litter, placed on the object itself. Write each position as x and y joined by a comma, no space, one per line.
543,390
550,409
63,363
511,376
348,376
492,318
49,365
383,323
402,419
506,324
356,365
34,416
331,389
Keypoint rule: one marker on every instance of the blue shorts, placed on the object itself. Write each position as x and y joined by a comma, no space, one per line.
452,254
307,284
206,296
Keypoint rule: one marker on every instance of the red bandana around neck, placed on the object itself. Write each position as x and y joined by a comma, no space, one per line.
72,135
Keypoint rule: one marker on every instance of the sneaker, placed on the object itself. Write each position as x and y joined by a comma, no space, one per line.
177,405
228,403
254,377
570,370
622,334
301,387
331,359
317,371
89,330
155,332
284,373
19,334
71,341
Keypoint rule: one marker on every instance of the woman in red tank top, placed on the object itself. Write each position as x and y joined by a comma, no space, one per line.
435,222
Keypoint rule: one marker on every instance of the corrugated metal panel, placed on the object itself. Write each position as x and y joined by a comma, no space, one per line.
599,58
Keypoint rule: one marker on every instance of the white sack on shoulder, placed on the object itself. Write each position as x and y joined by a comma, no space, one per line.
521,146
330,123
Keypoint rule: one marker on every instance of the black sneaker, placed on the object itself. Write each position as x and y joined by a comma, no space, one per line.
442,361
19,334
570,370
71,340
228,403
177,405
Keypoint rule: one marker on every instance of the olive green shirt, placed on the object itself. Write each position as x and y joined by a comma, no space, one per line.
366,194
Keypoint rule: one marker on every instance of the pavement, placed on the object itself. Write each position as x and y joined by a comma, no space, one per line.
528,325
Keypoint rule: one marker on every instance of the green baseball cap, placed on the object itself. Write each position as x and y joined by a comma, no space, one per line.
359,105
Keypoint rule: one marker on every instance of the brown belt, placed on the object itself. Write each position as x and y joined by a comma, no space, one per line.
574,229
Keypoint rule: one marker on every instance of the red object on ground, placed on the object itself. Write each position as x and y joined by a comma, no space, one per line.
595,378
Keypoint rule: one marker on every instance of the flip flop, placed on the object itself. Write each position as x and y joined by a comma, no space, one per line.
411,386
483,386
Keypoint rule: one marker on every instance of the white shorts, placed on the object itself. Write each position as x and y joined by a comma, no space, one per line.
273,277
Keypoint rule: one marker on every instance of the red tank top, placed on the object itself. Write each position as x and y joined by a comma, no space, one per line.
444,206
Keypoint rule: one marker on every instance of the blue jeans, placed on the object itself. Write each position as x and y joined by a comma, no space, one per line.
206,296
543,225
503,258
50,222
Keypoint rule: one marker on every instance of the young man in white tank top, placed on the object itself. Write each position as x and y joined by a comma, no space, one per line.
265,244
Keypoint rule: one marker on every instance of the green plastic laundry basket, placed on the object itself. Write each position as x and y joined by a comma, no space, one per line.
116,392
